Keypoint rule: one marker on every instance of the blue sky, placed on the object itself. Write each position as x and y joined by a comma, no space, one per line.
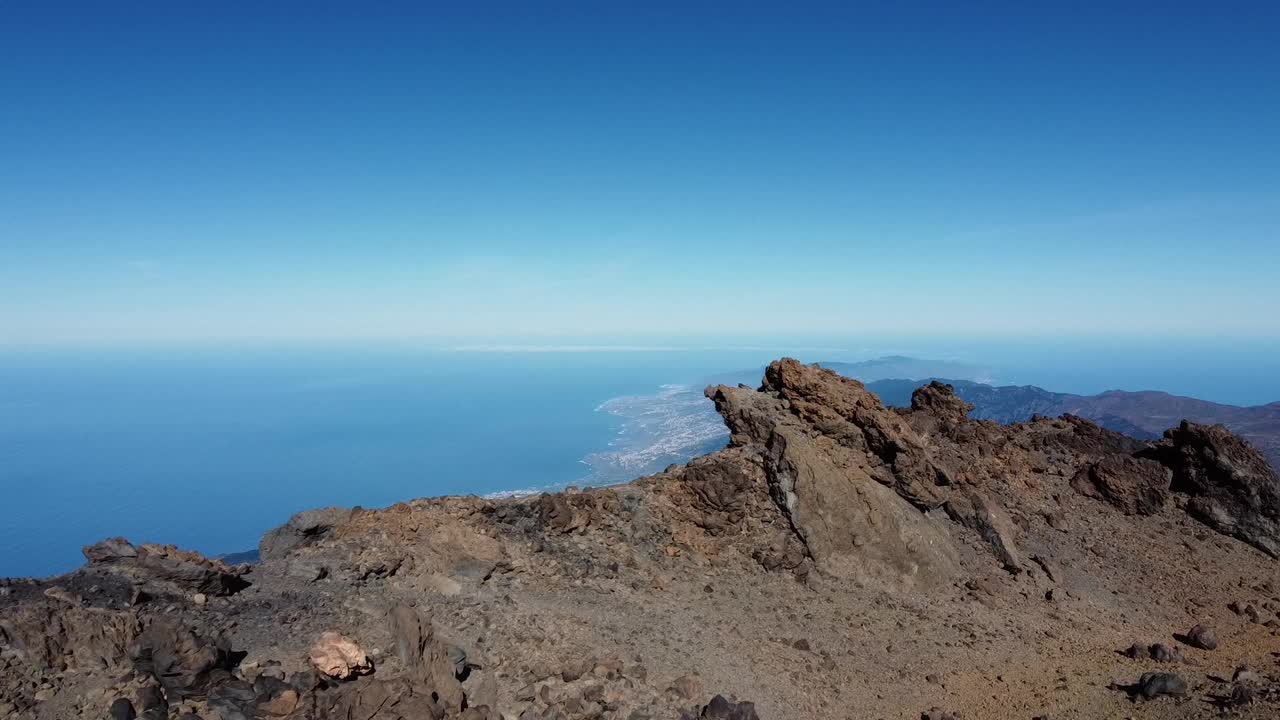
220,172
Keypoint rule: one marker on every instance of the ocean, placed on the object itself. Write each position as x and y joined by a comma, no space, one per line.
208,449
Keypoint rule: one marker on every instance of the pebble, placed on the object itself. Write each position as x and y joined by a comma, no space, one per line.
1203,637
1244,674
686,686
1241,694
1164,653
1138,651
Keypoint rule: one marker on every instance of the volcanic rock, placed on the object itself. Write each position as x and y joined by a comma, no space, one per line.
338,657
1136,486
1231,487
185,663
1203,637
122,709
302,529
722,708
167,567
1154,684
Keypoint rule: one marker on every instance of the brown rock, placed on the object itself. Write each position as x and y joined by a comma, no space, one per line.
280,704
1203,637
430,661
336,656
1136,486
686,687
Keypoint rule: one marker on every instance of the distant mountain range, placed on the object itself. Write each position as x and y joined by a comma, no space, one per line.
1145,415
881,368
900,366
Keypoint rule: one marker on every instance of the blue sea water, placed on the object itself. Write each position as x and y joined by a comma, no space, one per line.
209,449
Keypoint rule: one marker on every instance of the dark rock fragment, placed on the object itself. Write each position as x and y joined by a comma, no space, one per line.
1201,636
1241,694
1154,684
1138,651
122,709
1164,653
187,665
722,708
153,703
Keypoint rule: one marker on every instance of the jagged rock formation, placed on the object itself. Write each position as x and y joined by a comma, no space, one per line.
176,569
1144,415
1231,487
838,559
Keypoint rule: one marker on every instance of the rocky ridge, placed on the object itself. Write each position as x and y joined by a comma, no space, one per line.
839,559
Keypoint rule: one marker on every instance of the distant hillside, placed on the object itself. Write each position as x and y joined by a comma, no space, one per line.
1145,414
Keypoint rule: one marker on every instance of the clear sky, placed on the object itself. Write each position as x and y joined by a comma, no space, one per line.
177,172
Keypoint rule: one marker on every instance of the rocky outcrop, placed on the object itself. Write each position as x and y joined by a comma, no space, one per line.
54,635
1137,486
302,529
1230,485
984,516
166,568
430,662
940,400
845,471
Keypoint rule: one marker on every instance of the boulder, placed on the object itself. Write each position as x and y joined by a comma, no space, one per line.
110,550
370,698
338,657
122,709
722,708
1154,684
1201,636
186,664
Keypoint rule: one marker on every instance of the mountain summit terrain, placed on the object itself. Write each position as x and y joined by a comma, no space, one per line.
838,559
